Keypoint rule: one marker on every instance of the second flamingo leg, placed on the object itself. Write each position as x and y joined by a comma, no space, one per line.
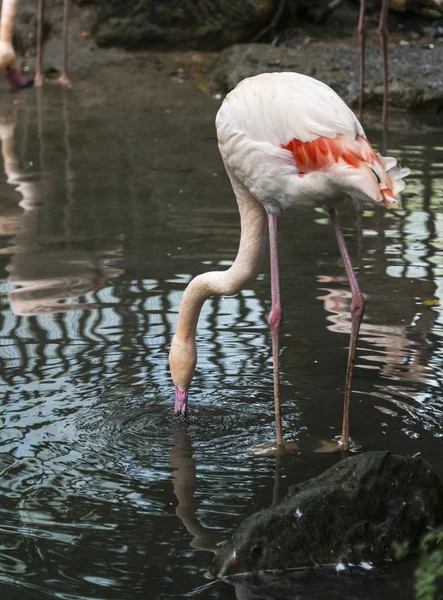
362,38
274,320
64,77
39,78
357,312
383,31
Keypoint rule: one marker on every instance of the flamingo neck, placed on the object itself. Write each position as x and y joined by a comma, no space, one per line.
183,356
8,11
244,268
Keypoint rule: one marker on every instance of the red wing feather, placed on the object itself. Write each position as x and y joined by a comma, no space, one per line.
322,153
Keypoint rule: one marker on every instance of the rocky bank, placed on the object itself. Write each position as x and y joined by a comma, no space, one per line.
304,36
415,70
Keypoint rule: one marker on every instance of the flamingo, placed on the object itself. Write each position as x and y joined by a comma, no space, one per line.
286,140
8,60
383,33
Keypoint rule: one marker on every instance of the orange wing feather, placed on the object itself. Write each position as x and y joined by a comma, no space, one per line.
322,153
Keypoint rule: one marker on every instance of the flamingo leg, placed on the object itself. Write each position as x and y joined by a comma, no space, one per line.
362,38
274,321
357,312
39,78
383,32
64,77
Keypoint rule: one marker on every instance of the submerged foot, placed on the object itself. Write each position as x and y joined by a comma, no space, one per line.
63,80
329,446
39,79
272,449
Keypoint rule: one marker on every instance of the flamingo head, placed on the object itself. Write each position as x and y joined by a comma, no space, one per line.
8,64
17,79
182,361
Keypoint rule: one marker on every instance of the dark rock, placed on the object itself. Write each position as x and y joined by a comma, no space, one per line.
364,508
415,73
210,24
427,8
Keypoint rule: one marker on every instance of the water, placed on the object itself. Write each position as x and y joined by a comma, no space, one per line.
113,198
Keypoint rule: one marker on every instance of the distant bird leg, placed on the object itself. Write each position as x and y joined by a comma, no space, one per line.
39,78
64,77
383,31
274,321
362,38
357,312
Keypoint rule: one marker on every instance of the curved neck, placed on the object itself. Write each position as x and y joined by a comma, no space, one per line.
9,8
244,268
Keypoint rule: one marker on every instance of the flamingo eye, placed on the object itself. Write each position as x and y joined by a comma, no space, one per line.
377,177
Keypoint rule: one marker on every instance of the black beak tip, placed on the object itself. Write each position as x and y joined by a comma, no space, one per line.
181,413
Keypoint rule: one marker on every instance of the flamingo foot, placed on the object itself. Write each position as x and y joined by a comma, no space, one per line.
330,446
273,449
17,80
63,80
39,79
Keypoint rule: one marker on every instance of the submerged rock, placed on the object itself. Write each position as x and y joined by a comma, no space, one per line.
427,8
364,509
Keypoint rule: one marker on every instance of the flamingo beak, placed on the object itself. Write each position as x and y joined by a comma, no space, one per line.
389,199
16,79
181,402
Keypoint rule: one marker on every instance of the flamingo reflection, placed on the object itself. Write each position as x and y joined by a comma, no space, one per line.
184,477
398,354
47,272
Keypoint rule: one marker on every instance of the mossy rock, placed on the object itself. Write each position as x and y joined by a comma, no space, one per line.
364,509
204,24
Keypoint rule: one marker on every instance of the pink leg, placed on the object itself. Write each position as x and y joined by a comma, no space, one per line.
39,78
383,31
357,312
64,77
362,38
274,321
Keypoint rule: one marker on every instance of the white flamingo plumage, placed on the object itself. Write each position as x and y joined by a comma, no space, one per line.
286,140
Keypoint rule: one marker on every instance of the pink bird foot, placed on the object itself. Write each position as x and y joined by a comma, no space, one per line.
39,79
63,80
273,449
330,446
